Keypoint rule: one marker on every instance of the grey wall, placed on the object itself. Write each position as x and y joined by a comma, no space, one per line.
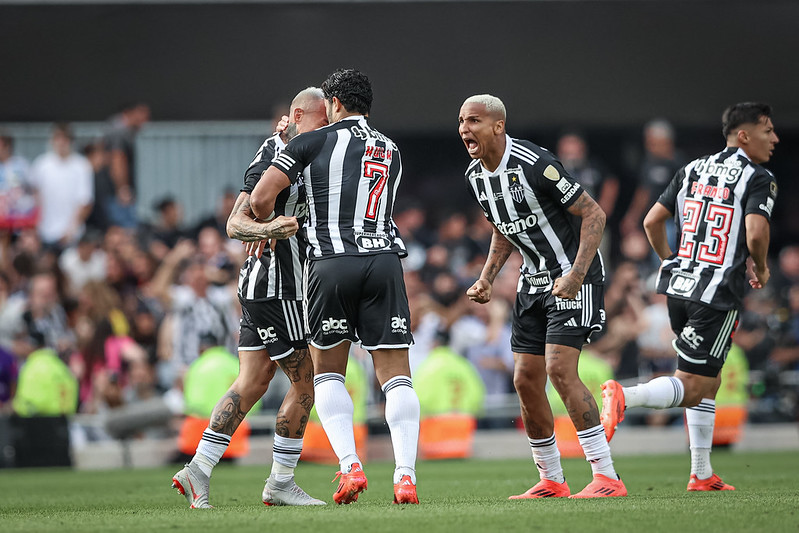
585,62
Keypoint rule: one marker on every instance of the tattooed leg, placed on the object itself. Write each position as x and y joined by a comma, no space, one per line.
530,379
562,370
255,373
293,414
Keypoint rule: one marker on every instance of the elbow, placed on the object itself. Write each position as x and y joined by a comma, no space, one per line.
260,205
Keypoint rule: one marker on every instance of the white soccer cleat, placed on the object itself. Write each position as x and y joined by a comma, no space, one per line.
286,493
193,484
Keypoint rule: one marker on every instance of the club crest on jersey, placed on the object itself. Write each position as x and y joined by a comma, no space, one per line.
516,188
682,283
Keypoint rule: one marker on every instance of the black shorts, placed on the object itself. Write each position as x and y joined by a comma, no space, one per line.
704,336
358,299
541,319
276,326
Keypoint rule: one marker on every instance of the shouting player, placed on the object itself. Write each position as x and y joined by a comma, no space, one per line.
536,207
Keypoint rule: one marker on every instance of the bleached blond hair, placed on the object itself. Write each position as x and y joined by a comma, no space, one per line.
492,104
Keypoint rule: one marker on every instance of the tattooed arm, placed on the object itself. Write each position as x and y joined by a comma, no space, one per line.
242,223
591,229
498,253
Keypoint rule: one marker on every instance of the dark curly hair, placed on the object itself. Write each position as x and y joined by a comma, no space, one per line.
352,88
743,113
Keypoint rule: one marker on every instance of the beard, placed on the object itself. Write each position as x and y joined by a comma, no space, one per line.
291,131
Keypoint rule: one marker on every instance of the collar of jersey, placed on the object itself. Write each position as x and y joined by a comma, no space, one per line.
352,117
741,153
504,162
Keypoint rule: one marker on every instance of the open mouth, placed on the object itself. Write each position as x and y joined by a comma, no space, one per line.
471,145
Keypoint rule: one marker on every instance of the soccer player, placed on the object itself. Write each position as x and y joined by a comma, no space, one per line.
272,333
354,283
722,204
536,207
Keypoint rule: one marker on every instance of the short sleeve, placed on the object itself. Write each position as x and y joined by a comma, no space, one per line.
550,177
762,196
259,164
668,198
299,153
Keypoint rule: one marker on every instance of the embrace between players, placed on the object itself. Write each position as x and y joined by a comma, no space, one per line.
322,192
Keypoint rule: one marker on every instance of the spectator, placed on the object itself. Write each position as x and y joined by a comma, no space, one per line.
43,322
121,144
17,204
83,262
164,234
661,162
65,187
572,150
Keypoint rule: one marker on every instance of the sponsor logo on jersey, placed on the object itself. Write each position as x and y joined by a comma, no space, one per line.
729,170
772,187
399,324
568,194
769,205
267,335
517,226
373,241
564,304
368,133
541,279
563,186
335,325
691,337
483,197
682,283
551,173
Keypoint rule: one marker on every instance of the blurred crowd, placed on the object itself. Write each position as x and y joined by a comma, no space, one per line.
127,305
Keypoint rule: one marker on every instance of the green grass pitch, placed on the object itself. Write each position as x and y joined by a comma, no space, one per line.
459,496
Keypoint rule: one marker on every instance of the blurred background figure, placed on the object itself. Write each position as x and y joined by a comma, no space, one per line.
64,183
17,203
661,161
120,141
602,185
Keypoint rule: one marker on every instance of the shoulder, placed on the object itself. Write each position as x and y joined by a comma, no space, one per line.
473,170
529,152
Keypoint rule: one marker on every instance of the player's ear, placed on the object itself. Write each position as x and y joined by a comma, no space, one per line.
742,136
298,115
499,127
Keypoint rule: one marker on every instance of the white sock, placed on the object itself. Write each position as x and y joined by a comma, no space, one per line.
334,407
660,393
210,449
402,416
547,459
597,452
700,420
285,456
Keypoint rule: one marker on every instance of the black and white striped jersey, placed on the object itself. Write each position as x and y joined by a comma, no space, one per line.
278,274
710,198
526,198
351,174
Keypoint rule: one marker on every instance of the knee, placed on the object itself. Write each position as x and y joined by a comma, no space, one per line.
562,376
525,384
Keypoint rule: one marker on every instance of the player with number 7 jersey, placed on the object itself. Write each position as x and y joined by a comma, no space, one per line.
354,287
351,174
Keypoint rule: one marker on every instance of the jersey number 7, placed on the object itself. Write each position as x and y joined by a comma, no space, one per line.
378,173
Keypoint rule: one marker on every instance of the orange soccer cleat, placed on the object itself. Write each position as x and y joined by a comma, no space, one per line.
350,485
405,491
712,483
612,407
602,487
546,488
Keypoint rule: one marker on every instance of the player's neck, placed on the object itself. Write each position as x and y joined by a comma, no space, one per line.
494,155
